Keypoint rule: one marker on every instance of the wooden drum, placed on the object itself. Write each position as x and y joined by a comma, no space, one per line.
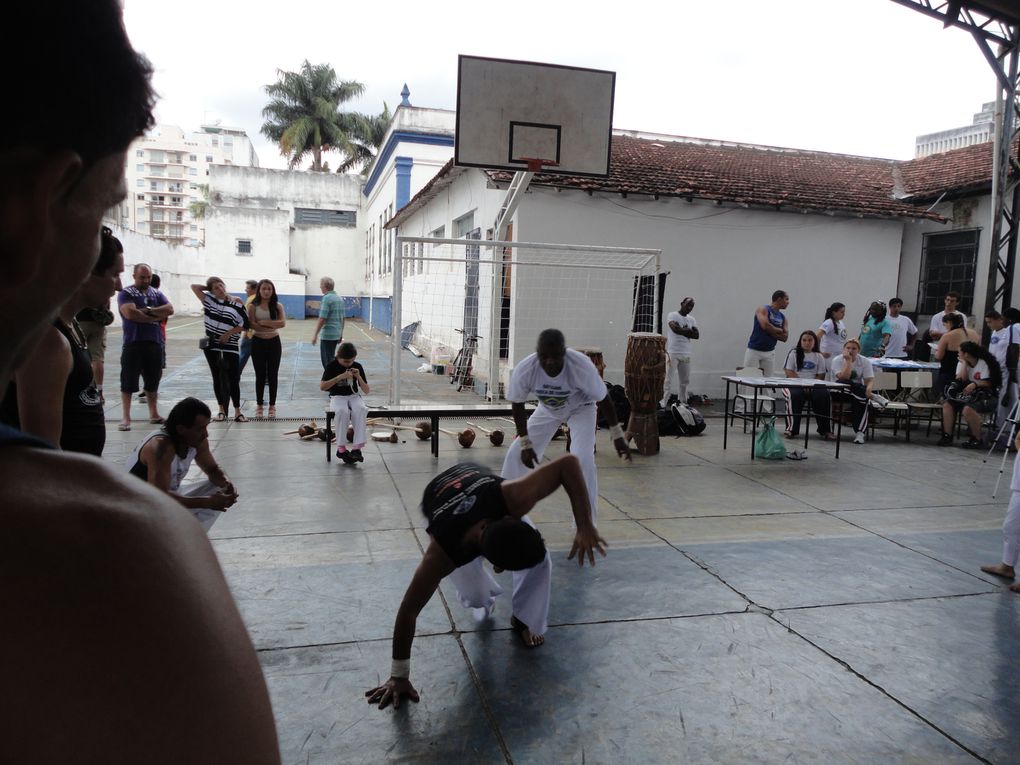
595,354
644,372
644,375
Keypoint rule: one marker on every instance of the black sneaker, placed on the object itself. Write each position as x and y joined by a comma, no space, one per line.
946,440
344,457
356,456
971,443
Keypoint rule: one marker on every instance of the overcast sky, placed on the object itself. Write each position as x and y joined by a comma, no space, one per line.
850,76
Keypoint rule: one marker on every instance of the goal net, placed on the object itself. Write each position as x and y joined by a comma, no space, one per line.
505,293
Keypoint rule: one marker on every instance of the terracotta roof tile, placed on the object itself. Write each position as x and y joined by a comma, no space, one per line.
749,175
761,176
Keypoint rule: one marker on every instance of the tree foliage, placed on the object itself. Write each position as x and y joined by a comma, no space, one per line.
304,117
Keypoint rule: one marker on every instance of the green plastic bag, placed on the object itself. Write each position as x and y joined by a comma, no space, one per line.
768,444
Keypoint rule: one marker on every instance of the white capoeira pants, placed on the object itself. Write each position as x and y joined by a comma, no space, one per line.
542,427
205,515
530,601
764,360
678,377
1011,531
349,410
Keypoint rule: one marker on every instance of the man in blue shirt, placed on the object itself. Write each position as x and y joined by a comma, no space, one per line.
769,328
331,321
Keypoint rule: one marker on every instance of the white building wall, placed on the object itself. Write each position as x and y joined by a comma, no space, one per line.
729,260
259,204
970,213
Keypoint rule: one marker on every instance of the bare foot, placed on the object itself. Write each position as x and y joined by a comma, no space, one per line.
258,411
1000,569
529,639
272,412
1015,587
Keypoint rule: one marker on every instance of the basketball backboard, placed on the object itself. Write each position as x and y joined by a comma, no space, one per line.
510,112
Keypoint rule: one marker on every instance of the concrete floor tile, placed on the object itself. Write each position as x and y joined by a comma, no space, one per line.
955,662
713,689
322,716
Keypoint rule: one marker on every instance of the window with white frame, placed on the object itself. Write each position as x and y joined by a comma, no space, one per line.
244,247
139,152
463,225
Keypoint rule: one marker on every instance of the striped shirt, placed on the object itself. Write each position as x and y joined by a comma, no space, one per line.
222,317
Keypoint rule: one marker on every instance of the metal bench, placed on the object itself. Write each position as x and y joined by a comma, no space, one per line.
432,412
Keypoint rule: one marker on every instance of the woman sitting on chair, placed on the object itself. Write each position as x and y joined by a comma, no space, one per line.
975,390
947,353
806,363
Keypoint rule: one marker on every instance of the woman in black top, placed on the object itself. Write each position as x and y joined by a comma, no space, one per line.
53,395
342,377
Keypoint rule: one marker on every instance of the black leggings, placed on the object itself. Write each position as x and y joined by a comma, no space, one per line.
226,377
265,357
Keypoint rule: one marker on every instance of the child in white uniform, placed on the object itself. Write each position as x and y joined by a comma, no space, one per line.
343,377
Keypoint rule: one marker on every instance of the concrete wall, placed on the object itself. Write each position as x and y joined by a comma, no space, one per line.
971,213
178,267
258,204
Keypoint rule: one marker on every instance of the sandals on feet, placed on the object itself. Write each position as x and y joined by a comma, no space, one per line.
157,420
220,416
240,418
272,412
259,412
124,426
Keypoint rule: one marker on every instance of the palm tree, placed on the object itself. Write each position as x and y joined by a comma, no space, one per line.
366,136
303,115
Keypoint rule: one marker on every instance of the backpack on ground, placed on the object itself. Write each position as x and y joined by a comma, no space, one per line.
689,421
666,423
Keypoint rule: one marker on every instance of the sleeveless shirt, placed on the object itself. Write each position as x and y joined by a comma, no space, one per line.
760,340
178,468
455,500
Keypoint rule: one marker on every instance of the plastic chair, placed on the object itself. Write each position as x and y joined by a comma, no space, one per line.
918,385
748,398
886,384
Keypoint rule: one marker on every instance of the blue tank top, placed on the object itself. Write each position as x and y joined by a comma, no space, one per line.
760,340
13,437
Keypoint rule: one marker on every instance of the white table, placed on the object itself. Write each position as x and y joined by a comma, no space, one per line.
761,383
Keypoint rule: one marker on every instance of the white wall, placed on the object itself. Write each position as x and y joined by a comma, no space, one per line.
258,204
730,260
178,267
974,212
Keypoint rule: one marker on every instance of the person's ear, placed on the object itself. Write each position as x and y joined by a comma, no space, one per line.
30,212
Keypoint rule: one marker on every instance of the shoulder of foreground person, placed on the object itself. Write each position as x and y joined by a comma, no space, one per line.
120,627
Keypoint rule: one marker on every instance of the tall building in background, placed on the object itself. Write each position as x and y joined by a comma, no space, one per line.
168,179
980,131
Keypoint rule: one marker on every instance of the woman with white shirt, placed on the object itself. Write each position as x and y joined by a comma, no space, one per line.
832,333
975,391
806,363
856,370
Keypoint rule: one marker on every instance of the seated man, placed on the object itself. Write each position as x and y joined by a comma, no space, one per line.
473,514
164,457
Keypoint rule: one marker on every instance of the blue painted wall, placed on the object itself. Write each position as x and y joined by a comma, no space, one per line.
382,313
352,306
403,165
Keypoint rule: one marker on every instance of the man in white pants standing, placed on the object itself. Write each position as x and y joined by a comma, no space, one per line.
569,390
682,329
770,327
1010,530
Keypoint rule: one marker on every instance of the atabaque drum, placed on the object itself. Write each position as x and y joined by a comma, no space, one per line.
595,354
644,372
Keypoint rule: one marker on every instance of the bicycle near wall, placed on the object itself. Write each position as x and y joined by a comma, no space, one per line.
462,369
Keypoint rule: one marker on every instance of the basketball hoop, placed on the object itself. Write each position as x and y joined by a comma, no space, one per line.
536,164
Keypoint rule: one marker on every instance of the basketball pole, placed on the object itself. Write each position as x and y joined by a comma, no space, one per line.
514,194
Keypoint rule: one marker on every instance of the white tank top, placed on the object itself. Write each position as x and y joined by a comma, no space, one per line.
178,468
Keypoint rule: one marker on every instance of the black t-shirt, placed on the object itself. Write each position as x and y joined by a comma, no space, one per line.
344,387
455,500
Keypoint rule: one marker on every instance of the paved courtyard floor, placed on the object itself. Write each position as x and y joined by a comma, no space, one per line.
823,611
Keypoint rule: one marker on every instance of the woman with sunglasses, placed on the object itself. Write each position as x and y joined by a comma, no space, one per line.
225,320
876,331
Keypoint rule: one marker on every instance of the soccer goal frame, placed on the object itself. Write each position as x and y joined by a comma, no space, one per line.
507,292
